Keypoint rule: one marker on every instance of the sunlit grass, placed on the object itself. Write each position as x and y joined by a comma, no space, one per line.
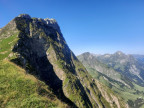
6,46
20,90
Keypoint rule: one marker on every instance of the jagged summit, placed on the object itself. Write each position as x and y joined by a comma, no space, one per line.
24,16
87,53
46,20
119,53
50,22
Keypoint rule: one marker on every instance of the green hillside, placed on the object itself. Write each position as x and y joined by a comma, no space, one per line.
18,89
21,90
131,93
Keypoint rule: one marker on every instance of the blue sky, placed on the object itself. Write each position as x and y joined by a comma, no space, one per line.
97,26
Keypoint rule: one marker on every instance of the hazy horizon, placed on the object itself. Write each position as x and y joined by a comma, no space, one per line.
88,26
108,53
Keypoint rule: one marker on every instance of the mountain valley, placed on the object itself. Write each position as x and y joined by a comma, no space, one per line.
120,72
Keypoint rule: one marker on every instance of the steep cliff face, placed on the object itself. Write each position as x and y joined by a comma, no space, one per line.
40,48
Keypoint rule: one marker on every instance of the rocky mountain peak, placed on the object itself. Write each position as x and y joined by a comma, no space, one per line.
87,53
50,21
119,53
25,16
53,23
47,21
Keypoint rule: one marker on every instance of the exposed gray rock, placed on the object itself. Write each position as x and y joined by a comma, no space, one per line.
50,22
8,30
25,16
53,23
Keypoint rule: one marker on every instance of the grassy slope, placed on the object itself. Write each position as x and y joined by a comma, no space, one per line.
18,89
6,46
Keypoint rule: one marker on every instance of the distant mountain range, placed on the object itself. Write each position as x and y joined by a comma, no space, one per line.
124,74
140,58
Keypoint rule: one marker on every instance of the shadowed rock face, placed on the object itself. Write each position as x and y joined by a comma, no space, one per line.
41,45
36,38
33,48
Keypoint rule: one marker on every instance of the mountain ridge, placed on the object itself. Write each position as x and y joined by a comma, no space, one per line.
104,69
39,47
